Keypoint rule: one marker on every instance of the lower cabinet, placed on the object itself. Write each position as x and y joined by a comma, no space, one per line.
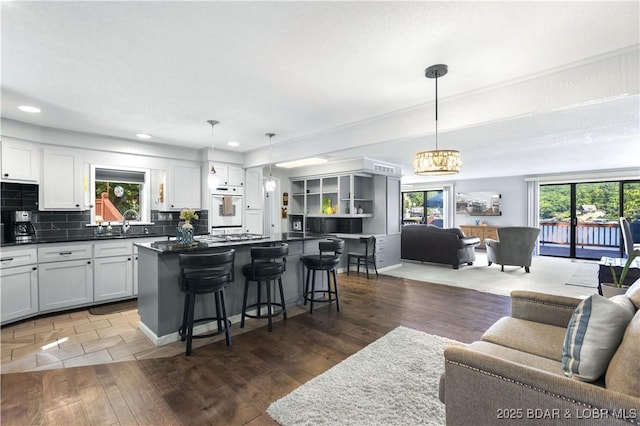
113,277
65,284
112,270
19,292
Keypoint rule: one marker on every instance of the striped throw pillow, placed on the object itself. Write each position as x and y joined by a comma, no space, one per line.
593,335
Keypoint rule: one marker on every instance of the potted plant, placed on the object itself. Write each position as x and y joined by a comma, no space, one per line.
617,287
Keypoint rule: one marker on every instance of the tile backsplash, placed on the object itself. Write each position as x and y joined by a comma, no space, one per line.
18,196
64,225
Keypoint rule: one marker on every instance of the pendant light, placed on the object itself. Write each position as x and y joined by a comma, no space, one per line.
270,184
213,180
438,161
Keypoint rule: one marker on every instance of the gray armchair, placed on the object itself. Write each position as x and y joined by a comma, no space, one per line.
515,246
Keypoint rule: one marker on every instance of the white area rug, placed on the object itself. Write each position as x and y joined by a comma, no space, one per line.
393,381
548,275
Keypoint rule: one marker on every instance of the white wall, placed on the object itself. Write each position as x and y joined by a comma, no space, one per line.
514,200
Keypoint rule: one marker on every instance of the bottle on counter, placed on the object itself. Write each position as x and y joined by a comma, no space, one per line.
99,230
109,229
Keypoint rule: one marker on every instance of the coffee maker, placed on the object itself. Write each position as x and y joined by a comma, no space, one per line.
21,227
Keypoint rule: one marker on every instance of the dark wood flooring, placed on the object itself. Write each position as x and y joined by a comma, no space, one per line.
234,385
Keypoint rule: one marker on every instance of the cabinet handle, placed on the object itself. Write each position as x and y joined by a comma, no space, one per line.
6,259
88,262
34,268
65,253
6,175
128,258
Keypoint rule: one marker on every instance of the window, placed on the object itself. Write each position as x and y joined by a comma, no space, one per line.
416,203
119,194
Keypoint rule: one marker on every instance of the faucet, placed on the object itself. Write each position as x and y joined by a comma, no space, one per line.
125,226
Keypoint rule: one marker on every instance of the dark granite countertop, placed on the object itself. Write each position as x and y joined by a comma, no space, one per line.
85,238
173,246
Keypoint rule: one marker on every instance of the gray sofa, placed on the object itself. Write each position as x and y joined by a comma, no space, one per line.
514,373
428,243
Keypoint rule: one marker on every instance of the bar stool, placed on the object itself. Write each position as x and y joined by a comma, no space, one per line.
267,265
327,260
205,273
366,258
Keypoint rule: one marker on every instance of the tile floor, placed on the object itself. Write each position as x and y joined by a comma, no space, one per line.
77,338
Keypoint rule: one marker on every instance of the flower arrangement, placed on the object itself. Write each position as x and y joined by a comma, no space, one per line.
187,215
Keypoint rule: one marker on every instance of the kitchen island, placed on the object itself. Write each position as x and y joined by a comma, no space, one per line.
160,301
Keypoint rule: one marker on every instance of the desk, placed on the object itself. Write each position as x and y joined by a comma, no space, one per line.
604,270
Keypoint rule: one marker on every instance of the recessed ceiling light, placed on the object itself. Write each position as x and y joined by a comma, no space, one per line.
27,108
304,162
143,136
233,143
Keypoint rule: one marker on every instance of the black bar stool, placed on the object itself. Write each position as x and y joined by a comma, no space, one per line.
267,265
366,258
327,260
204,273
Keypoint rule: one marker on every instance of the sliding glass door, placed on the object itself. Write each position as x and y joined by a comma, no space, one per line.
423,207
581,220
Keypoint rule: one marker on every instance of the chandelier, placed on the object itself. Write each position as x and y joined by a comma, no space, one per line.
213,180
270,184
438,161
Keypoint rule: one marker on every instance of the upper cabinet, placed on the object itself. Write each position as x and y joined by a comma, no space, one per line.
230,174
253,193
184,186
20,161
64,182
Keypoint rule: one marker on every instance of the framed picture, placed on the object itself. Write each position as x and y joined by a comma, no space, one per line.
479,204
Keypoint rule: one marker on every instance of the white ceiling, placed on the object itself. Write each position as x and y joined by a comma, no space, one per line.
307,68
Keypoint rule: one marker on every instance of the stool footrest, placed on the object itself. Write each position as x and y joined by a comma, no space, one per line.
183,334
274,312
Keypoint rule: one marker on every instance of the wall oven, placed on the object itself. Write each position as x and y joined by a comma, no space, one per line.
225,209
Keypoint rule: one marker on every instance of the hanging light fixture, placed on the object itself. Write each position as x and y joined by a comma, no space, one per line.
438,161
213,180
270,184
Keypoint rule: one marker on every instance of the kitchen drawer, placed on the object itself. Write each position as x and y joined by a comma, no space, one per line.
108,248
59,253
19,257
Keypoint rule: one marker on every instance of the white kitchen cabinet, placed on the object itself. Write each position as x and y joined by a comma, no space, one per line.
184,187
20,161
113,278
65,276
253,198
254,222
112,270
230,174
236,175
63,183
19,290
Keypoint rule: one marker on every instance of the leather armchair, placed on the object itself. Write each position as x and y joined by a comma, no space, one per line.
627,237
514,246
